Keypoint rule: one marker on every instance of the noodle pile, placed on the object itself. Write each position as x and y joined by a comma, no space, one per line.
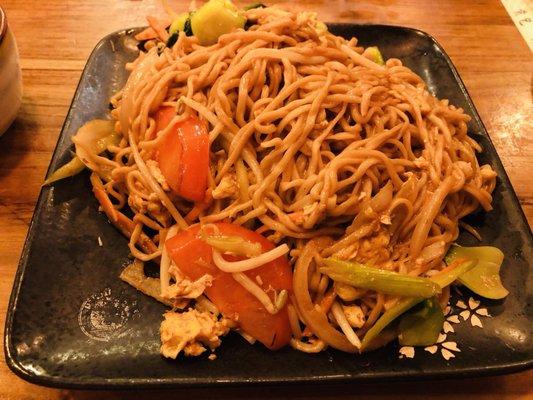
312,144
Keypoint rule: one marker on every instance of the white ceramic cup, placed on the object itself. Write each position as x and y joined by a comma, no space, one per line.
10,76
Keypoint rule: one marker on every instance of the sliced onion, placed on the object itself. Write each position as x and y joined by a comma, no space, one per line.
341,319
294,321
315,347
89,140
313,316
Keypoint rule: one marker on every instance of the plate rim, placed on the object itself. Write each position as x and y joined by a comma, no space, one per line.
16,366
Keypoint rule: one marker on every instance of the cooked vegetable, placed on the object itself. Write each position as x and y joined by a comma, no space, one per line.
376,204
342,321
91,139
443,279
448,276
314,317
73,167
484,278
233,244
193,256
387,317
187,28
215,18
361,276
253,5
96,135
172,39
374,54
178,24
422,327
183,154
163,117
134,275
181,23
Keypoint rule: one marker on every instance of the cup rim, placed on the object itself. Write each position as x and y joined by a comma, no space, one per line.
3,24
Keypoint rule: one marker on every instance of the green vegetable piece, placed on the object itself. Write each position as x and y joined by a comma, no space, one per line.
181,23
172,39
73,167
175,28
178,24
361,276
447,278
253,5
76,165
443,279
233,244
388,316
187,28
374,54
386,336
484,278
215,18
422,327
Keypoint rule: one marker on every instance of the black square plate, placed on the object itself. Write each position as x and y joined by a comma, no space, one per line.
73,323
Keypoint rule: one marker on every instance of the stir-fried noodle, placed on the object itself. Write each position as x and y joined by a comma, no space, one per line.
313,145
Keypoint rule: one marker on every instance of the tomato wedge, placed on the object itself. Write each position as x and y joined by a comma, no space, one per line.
163,116
183,154
194,258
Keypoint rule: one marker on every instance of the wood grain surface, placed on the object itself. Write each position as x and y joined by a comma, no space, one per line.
55,37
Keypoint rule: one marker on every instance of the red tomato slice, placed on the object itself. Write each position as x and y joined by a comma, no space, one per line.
183,155
163,116
194,258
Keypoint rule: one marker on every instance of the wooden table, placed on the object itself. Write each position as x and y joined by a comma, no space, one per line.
55,38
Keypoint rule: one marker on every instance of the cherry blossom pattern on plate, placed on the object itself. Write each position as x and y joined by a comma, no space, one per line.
470,311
